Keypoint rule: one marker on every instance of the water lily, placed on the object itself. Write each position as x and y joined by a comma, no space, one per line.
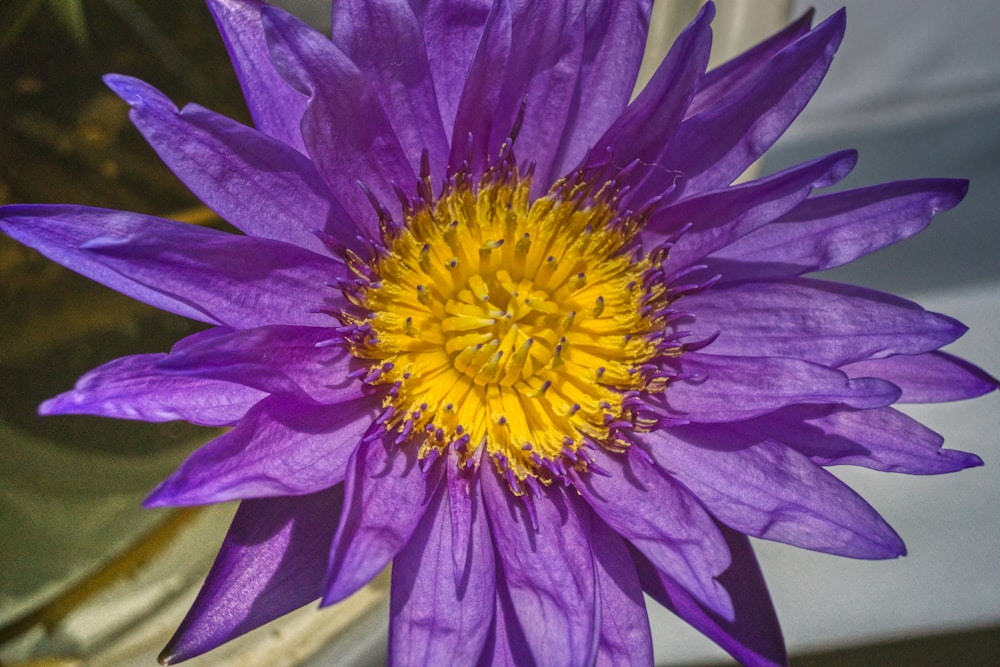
493,322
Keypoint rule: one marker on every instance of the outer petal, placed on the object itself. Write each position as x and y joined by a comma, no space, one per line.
764,489
276,107
835,229
191,271
384,40
754,637
344,127
281,448
452,30
729,76
305,363
258,184
934,377
614,36
645,128
385,497
506,645
715,146
882,439
717,388
625,638
663,520
135,388
549,571
271,563
826,323
717,219
433,621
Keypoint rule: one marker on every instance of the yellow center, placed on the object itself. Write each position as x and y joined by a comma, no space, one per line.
511,324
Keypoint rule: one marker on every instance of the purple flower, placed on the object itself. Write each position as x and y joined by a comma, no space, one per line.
493,322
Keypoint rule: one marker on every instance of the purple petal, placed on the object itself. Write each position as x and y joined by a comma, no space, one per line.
718,388
835,229
475,113
385,495
625,638
506,645
715,146
644,130
281,448
935,377
433,621
260,185
719,218
541,72
765,489
135,388
754,637
385,42
192,271
344,127
729,76
882,439
549,570
663,520
465,505
276,108
452,30
826,323
272,562
614,35
297,361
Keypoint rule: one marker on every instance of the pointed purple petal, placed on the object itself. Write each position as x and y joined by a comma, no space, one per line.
258,184
765,489
882,439
663,520
276,108
481,94
718,388
452,31
625,638
754,638
135,388
465,506
935,377
192,271
644,130
280,448
433,621
549,572
615,32
717,219
506,645
272,562
541,72
828,231
826,323
715,146
729,76
384,40
385,495
275,359
344,127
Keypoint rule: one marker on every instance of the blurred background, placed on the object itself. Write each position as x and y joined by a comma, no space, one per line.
89,577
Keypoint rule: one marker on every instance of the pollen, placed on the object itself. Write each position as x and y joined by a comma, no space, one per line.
510,327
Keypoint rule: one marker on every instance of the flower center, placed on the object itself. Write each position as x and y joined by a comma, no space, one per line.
511,324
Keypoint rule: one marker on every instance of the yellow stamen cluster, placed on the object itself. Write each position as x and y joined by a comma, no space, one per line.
510,323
